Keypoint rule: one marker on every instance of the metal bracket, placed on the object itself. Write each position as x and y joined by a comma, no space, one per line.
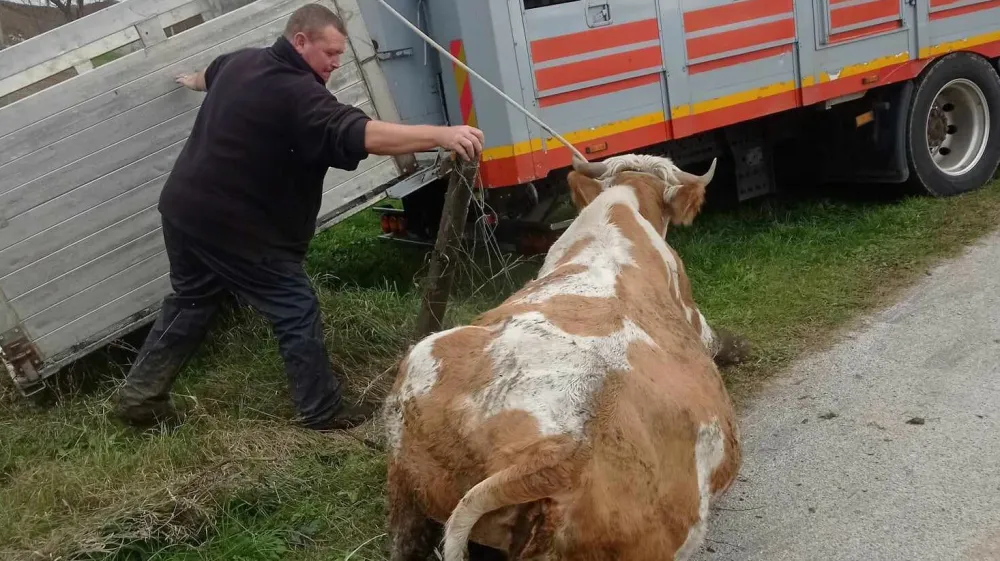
598,13
23,361
395,53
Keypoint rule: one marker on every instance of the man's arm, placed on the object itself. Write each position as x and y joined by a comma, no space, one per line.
195,81
392,139
200,81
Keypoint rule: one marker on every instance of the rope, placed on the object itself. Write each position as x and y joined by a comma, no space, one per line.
441,50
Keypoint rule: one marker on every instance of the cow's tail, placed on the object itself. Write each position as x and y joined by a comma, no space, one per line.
517,484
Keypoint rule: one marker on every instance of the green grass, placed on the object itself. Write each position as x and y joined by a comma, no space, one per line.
240,482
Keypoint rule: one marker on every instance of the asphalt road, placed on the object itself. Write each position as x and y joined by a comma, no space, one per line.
886,446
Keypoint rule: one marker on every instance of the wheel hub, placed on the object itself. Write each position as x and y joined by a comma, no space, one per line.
958,127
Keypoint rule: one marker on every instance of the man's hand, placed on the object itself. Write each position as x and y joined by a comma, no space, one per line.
194,81
467,141
390,139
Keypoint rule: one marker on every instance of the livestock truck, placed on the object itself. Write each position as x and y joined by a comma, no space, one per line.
874,91
880,91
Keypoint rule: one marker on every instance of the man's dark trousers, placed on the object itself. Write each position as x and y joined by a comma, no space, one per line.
200,276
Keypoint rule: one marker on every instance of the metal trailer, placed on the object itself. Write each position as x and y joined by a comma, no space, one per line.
886,91
856,90
84,151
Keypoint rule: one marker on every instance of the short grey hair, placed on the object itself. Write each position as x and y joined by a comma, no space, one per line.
312,18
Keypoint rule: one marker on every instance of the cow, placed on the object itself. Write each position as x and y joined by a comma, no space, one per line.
584,418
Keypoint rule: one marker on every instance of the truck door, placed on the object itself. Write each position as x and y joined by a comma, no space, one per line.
730,61
850,41
597,72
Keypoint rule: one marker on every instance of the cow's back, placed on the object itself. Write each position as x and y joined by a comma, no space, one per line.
660,447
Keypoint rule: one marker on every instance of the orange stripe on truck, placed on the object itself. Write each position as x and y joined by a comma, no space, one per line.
736,12
865,31
597,68
708,45
603,89
739,59
962,10
585,42
860,13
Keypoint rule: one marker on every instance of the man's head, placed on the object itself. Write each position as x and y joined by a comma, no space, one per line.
319,35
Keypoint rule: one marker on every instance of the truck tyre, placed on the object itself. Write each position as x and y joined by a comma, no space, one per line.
953,126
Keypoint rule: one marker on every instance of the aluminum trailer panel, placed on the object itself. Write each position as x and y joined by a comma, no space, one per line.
82,161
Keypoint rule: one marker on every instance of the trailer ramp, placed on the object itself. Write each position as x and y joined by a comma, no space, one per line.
86,145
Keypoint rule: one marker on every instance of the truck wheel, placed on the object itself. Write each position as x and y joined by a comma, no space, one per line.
953,127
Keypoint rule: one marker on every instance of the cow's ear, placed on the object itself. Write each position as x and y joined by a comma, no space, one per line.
684,202
583,190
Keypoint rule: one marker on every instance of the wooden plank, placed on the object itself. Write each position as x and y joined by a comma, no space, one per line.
62,124
355,94
104,292
346,75
357,186
357,32
331,220
81,251
70,59
84,31
85,66
62,287
361,43
86,223
369,108
336,177
52,127
65,179
82,54
8,317
151,32
45,217
185,12
56,362
81,331
79,145
139,64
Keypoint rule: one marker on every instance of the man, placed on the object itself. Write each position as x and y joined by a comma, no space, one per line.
240,207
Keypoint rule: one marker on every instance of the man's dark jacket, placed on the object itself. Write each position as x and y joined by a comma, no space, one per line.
250,177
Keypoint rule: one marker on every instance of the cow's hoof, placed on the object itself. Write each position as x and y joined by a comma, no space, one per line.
733,348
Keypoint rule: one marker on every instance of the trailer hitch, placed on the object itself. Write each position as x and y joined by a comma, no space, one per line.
22,360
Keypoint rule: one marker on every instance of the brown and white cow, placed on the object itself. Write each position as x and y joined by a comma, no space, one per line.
584,418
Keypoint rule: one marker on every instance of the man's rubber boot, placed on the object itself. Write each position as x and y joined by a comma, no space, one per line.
144,399
148,415
347,417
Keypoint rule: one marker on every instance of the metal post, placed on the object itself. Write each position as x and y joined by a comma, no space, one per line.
444,256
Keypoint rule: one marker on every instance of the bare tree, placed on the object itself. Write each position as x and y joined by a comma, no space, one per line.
66,7
70,9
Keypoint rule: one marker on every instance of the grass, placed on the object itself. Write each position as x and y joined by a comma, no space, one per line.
240,482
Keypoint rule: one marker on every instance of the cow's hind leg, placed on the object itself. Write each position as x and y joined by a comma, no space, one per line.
412,535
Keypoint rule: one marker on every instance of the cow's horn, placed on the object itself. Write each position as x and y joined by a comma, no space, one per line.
705,179
592,170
